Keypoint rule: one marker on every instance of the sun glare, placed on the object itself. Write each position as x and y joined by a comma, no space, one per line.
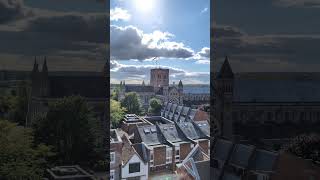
144,5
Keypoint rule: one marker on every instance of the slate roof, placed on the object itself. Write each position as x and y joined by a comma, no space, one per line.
204,126
149,138
264,161
177,113
171,133
203,168
142,151
138,88
192,114
190,131
127,150
241,155
221,149
197,163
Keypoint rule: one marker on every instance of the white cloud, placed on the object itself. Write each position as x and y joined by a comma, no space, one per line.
132,43
203,56
117,14
204,10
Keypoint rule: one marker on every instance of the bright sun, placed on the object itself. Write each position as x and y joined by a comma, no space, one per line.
144,5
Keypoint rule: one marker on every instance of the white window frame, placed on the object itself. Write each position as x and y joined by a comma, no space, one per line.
112,174
112,154
177,157
151,159
168,158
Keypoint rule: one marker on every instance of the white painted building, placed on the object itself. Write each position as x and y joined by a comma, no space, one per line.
135,168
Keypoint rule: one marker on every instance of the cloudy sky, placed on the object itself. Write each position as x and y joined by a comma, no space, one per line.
268,35
71,33
175,31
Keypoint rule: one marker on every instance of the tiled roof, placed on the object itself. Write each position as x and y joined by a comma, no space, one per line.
171,133
203,126
221,149
264,161
149,134
189,130
127,150
142,151
241,155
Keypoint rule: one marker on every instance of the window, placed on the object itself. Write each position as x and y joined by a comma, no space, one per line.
177,152
151,155
169,156
112,157
151,158
112,174
134,167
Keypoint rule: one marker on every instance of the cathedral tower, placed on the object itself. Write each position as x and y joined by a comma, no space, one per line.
224,95
159,78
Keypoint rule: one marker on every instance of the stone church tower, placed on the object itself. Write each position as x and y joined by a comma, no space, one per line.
40,80
224,95
159,78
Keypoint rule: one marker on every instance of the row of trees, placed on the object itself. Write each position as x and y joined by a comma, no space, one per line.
306,146
69,133
130,104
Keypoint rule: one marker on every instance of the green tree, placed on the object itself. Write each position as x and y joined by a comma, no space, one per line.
19,105
115,93
132,103
116,113
155,106
306,146
73,131
14,106
5,105
20,158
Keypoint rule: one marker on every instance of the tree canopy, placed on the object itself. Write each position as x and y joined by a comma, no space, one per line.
155,106
306,146
20,158
116,113
132,103
14,106
70,127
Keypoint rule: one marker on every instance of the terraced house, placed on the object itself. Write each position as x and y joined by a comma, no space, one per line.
162,142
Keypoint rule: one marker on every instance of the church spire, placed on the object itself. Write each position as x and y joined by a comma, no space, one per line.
143,84
180,84
44,66
225,71
35,65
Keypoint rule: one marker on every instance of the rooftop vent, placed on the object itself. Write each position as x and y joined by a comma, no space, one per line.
146,131
153,130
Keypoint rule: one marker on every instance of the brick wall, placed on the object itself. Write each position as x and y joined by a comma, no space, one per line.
117,148
185,149
204,144
159,155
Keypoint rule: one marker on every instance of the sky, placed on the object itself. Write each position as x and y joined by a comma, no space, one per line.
267,35
177,32
71,34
